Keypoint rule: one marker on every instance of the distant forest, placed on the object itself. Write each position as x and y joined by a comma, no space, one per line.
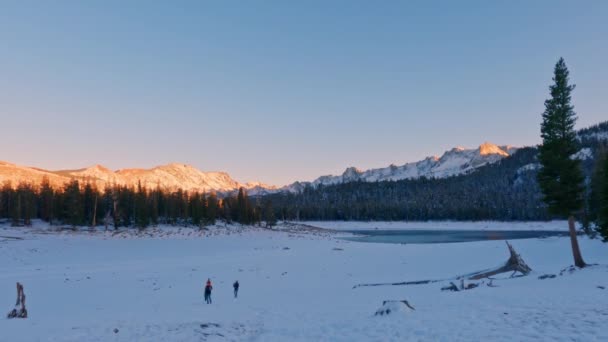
506,190
82,204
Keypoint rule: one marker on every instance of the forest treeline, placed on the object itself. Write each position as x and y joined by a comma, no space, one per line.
83,204
506,190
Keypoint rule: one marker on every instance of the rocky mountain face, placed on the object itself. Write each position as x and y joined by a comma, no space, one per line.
456,161
170,176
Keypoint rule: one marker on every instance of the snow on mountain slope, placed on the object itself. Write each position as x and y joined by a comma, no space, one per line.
170,176
96,172
453,162
16,174
180,176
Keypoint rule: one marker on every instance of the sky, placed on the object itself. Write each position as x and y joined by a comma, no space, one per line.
278,91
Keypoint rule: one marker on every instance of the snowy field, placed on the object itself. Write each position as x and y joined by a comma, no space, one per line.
294,287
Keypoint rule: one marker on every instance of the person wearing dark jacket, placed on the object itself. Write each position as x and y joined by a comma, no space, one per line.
236,288
208,289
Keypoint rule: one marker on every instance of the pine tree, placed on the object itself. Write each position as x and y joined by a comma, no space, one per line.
16,209
242,216
597,180
142,219
28,203
89,202
195,210
46,200
560,177
154,205
212,208
74,206
5,199
268,214
602,196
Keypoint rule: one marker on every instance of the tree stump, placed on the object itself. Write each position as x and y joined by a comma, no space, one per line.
19,311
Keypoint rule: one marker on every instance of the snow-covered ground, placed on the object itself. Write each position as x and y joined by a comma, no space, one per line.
441,225
294,287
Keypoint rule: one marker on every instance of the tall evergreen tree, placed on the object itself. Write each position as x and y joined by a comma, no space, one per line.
601,181
196,209
46,200
73,202
141,216
242,204
212,208
154,205
560,177
597,180
268,214
28,202
89,195
5,199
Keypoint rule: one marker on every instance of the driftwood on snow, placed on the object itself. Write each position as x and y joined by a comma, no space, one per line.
514,264
19,311
11,237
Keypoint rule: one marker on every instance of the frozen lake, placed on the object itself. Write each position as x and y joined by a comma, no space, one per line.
446,236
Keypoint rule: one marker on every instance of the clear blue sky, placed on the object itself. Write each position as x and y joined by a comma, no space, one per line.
278,91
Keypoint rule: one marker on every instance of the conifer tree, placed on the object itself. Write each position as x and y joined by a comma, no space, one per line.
212,208
268,214
242,207
154,205
5,199
74,206
142,219
196,209
601,189
89,202
27,199
46,200
560,177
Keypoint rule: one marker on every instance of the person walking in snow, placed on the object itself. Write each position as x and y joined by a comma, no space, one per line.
208,289
236,288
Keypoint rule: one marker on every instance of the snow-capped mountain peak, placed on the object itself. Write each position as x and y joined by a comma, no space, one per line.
489,148
458,160
170,176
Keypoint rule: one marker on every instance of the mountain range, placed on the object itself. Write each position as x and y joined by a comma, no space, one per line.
454,162
170,176
173,176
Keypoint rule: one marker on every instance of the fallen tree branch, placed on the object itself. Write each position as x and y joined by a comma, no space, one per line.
11,237
514,264
416,282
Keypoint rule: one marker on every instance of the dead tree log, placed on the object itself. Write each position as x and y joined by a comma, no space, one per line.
514,264
19,311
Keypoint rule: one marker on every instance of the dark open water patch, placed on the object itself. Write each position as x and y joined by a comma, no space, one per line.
446,236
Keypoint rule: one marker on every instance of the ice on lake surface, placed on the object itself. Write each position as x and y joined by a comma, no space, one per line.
446,236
